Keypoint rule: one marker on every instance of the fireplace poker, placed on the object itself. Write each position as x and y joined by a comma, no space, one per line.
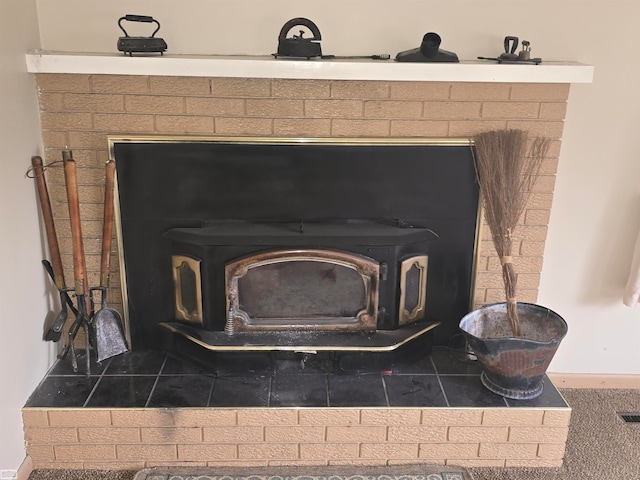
380,56
65,294
79,262
107,322
54,332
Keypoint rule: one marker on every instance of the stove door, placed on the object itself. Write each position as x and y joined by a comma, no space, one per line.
311,289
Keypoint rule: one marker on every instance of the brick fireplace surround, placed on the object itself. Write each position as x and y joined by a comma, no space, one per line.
79,110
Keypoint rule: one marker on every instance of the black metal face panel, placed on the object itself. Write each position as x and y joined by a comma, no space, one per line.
180,183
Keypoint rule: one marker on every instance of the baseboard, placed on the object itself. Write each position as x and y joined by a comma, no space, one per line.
25,469
594,380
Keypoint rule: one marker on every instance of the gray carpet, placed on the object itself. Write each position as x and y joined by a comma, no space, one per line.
600,446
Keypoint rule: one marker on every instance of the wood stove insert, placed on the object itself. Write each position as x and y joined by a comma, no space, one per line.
295,244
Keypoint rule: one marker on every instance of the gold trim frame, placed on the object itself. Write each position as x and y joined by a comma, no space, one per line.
121,263
173,139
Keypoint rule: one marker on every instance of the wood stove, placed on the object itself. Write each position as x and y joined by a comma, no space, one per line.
295,244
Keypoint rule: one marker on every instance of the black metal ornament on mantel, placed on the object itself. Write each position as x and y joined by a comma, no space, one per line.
510,56
151,44
429,51
296,45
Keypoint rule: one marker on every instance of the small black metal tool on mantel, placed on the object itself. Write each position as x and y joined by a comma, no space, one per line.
510,55
150,44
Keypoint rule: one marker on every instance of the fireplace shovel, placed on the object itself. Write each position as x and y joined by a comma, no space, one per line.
109,337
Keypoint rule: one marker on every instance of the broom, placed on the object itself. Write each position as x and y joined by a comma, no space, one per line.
506,173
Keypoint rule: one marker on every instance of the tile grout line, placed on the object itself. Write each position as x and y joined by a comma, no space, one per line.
269,393
385,390
328,393
86,402
435,369
155,383
213,385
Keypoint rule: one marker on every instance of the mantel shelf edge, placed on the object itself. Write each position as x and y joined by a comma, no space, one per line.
314,69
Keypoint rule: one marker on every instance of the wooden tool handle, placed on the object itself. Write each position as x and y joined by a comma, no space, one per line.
52,238
107,225
79,264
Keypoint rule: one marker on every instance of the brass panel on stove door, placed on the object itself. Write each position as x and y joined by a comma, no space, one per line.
413,289
187,283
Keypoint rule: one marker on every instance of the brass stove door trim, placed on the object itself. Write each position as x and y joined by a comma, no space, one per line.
416,313
368,270
179,262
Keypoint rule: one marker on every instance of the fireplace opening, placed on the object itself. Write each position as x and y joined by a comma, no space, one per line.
294,244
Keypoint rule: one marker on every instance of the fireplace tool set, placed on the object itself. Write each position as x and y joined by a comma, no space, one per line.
103,329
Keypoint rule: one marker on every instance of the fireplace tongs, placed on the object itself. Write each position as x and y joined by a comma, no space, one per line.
79,266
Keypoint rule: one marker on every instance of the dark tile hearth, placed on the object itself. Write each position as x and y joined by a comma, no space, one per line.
445,378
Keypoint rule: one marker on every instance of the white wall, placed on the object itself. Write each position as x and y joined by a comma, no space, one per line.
596,214
24,357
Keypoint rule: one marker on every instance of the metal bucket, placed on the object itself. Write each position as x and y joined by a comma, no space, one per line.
514,367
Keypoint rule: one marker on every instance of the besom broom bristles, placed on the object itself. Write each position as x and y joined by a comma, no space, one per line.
506,173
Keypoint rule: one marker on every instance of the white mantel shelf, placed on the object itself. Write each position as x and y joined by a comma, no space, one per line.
315,69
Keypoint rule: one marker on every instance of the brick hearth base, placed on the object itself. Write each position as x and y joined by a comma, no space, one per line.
137,438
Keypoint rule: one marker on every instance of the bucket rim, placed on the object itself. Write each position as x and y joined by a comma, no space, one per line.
562,322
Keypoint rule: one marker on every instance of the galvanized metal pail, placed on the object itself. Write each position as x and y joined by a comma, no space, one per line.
514,367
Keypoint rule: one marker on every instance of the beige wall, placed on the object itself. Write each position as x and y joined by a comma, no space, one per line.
24,358
595,217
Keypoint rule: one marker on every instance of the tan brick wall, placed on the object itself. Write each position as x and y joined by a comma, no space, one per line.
97,438
79,111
